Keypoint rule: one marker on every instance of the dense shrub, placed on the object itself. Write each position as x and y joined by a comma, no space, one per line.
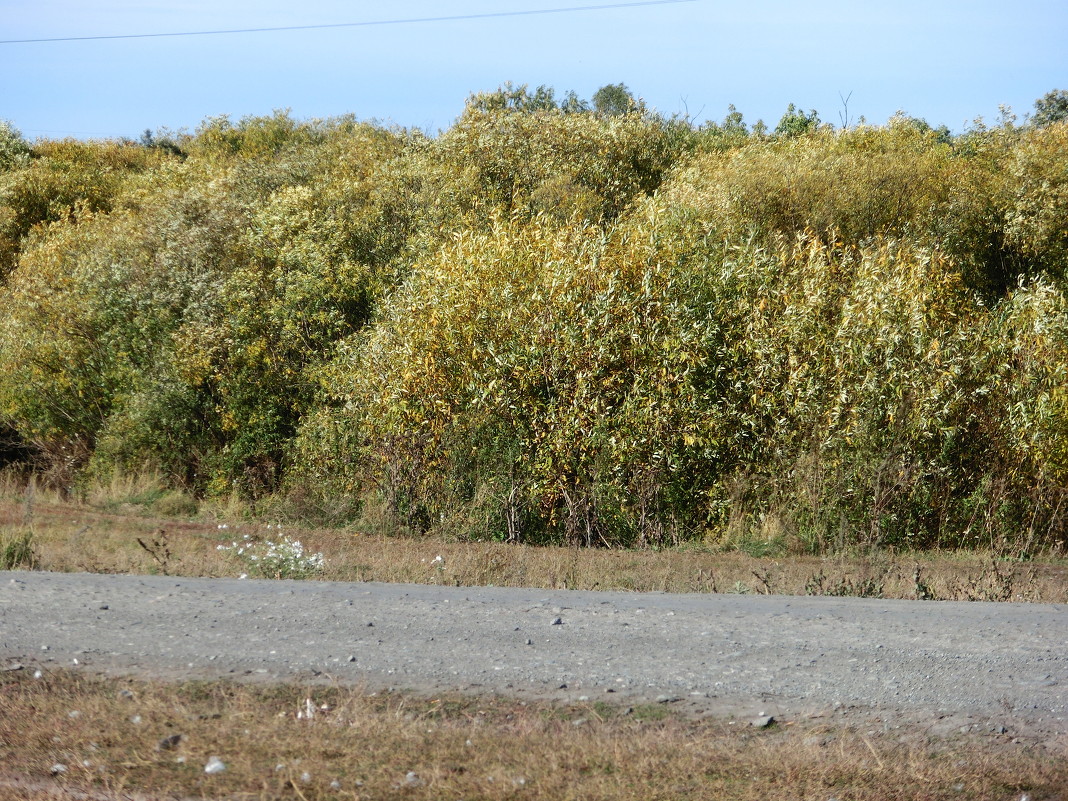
901,181
1038,214
174,330
552,374
14,150
556,324
551,161
56,180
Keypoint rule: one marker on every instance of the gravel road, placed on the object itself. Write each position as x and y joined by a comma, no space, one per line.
944,666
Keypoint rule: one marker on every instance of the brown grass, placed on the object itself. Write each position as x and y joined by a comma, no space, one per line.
455,747
117,535
125,738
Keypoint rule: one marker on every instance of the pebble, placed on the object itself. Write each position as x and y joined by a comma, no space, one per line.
215,765
169,743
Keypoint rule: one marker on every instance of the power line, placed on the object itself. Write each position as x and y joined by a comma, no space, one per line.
370,23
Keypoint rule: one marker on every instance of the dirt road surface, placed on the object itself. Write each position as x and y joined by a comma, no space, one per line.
942,666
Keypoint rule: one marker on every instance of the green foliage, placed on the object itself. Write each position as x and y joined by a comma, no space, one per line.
847,357
615,100
164,140
60,370
253,137
849,186
1051,108
504,373
731,133
545,159
17,552
509,97
58,180
555,324
1018,462
796,122
14,151
62,173
313,261
1039,206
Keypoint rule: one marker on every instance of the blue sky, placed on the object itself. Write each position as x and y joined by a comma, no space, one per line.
948,62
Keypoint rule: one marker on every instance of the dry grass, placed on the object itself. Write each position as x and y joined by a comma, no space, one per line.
125,530
358,745
114,737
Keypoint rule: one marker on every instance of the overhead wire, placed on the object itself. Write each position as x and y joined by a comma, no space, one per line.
364,24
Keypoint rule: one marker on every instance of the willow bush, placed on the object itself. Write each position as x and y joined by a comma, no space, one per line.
87,324
54,180
1014,451
850,358
550,161
620,389
309,263
660,382
1038,208
901,181
534,382
553,324
175,329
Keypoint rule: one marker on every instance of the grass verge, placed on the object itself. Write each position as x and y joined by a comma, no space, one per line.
47,532
67,735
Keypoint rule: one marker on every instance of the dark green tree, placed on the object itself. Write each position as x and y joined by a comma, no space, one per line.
796,122
1050,108
734,123
614,100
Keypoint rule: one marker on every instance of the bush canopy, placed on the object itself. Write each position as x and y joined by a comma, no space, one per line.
557,321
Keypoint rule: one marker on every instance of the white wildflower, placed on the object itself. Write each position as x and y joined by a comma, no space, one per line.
283,559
